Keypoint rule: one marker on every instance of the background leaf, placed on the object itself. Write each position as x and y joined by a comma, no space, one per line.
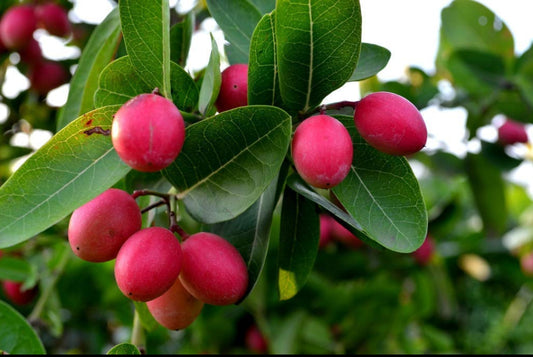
180,39
145,27
16,335
98,52
237,18
124,349
318,48
15,269
69,171
228,160
298,243
372,59
382,193
210,86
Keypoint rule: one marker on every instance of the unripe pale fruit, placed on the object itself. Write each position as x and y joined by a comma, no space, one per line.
390,123
512,132
176,309
14,292
424,253
213,270
148,263
46,75
17,26
322,151
54,19
233,88
148,132
98,229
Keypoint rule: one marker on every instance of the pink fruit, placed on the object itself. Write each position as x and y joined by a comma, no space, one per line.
148,263
148,132
326,224
526,263
425,252
213,270
322,151
17,26
31,54
343,235
54,19
512,132
176,309
390,123
47,75
98,229
255,341
233,88
14,292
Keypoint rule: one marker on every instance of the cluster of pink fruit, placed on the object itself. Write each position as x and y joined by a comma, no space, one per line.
174,278
17,27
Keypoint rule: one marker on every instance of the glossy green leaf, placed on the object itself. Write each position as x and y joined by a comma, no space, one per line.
210,86
237,18
120,82
70,169
298,242
98,52
263,82
146,28
16,334
382,194
263,6
227,161
467,24
318,48
249,232
372,59
124,349
480,73
487,185
180,39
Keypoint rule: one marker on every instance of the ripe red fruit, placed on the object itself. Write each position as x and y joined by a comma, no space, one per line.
322,151
343,235
148,132
233,88
176,309
17,26
425,252
14,292
31,54
526,263
213,270
390,123
54,19
326,223
46,75
255,341
98,229
148,263
512,132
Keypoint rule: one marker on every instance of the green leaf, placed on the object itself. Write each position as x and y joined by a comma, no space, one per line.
124,349
373,58
467,24
237,19
210,86
16,334
145,27
15,269
145,316
298,243
69,170
98,52
318,45
228,160
479,73
264,6
249,232
382,194
263,81
487,186
180,39
120,82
